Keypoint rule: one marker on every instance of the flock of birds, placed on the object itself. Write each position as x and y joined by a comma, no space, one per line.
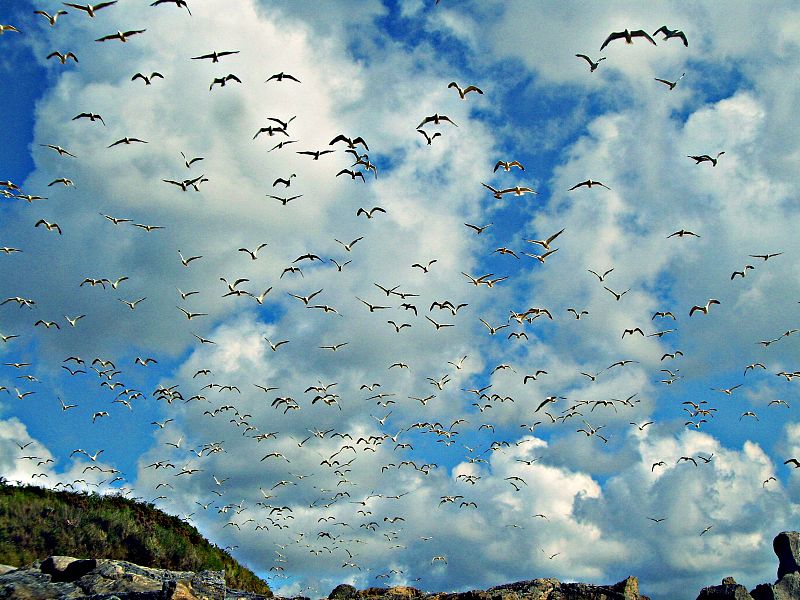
352,517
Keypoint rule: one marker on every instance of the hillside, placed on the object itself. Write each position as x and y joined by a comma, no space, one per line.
35,523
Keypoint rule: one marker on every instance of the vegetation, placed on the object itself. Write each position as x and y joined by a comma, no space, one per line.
36,523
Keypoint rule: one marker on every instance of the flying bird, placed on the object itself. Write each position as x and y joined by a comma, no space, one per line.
672,33
628,37
90,9
592,64
463,92
122,36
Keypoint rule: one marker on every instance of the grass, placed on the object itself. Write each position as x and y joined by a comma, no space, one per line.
36,523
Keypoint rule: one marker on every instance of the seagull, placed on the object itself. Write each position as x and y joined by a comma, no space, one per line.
463,92
588,183
371,212
4,28
546,243
122,36
63,57
703,309
253,253
50,18
281,76
592,64
91,116
61,151
765,257
221,81
132,305
628,37
49,226
681,233
349,247
429,138
90,9
145,78
127,141
436,119
215,56
706,158
672,33
671,84
616,295
478,230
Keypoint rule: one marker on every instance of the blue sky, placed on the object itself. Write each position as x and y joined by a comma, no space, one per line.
377,73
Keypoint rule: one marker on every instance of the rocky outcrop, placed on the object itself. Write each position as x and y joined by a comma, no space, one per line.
67,578
787,548
728,590
534,589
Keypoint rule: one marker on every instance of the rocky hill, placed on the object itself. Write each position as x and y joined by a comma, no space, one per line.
67,578
36,522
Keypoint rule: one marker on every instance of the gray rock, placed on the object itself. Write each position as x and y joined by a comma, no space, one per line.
728,590
788,588
787,547
66,568
343,592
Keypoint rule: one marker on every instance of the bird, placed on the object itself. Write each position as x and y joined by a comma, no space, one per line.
177,3
671,84
478,230
672,33
703,309
127,141
90,9
132,304
592,64
371,212
589,183
463,92
617,296
349,247
429,138
315,154
628,37
281,76
436,119
253,253
61,151
91,116
353,174
4,28
546,243
706,158
681,233
425,268
122,36
215,56
222,81
49,226
52,19
74,321
147,80
601,277
765,257
275,347
187,261
351,142
62,58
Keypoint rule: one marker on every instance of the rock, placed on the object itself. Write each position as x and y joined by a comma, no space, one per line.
728,590
343,592
66,568
787,547
6,569
788,588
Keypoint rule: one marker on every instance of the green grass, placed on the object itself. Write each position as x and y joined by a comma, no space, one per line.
36,523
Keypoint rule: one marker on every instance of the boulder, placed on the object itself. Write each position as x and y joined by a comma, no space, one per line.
788,588
343,592
6,569
66,568
728,590
787,547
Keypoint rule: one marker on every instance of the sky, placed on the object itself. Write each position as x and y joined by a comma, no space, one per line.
414,393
